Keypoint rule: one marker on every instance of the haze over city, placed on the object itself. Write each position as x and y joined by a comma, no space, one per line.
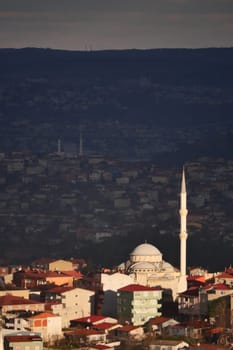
161,108
110,24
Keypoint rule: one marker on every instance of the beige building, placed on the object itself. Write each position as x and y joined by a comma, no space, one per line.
77,302
23,340
24,293
10,304
60,265
217,291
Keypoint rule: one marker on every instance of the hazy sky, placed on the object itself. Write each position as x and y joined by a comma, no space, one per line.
108,24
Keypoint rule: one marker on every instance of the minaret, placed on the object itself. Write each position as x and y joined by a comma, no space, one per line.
59,146
183,233
80,144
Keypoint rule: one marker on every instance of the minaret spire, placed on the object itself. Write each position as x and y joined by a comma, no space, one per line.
59,146
80,143
183,231
183,183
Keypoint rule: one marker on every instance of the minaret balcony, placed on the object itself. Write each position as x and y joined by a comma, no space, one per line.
183,235
183,212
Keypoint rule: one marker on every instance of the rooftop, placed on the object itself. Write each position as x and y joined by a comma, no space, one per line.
22,338
159,320
137,288
43,315
15,300
89,319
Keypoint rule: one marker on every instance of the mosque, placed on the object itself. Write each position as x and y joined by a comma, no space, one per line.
146,265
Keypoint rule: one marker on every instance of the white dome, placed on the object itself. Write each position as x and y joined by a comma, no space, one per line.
145,249
146,253
167,266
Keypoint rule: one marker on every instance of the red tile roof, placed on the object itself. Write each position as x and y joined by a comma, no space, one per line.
179,326
42,315
15,300
207,287
198,324
200,279
33,275
100,346
105,325
60,290
221,286
128,328
89,319
83,331
216,330
43,261
57,274
73,273
22,338
159,320
137,288
217,286
208,347
224,275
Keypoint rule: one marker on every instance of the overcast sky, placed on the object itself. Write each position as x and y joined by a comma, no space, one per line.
116,24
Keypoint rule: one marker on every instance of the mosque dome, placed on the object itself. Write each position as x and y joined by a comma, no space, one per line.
142,267
145,249
146,252
168,267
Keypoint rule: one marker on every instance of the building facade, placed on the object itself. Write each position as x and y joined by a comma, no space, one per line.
76,302
136,304
48,325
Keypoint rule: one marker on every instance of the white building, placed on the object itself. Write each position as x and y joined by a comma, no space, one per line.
48,325
137,304
111,283
168,345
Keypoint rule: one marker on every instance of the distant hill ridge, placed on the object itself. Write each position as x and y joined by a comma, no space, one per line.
211,66
167,88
